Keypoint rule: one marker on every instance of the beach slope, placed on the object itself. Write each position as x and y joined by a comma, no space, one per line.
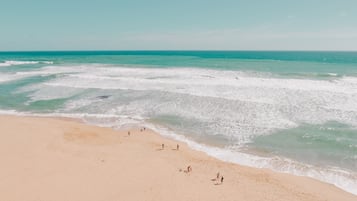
48,159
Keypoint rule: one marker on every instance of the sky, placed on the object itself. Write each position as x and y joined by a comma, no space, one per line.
178,25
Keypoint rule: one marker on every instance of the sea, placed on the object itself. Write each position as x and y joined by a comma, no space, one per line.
288,111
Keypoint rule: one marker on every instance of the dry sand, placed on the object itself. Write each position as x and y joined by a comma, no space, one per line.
45,159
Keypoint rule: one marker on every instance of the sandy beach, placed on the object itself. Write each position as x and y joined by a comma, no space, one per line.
48,159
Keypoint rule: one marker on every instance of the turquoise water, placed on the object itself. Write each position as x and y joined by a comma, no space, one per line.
341,63
293,112
329,144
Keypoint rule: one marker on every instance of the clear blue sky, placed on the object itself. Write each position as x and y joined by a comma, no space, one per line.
178,24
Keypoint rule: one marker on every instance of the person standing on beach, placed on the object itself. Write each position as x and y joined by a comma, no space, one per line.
163,146
177,147
222,179
189,169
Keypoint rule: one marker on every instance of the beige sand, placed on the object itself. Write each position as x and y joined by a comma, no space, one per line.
45,159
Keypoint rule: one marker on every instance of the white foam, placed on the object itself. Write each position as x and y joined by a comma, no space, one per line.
277,98
14,63
7,77
332,74
276,102
75,104
103,120
45,71
41,92
12,112
191,81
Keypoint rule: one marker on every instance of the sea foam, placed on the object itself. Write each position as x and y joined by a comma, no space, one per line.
14,63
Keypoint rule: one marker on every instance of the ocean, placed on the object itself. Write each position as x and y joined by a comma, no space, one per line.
293,112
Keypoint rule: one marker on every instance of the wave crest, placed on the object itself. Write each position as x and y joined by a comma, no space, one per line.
15,63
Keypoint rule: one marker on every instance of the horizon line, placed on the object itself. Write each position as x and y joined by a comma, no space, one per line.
174,50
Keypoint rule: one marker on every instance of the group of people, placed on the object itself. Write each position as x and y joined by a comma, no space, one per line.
163,146
141,130
219,178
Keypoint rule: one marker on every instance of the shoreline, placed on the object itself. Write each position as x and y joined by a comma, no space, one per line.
47,158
